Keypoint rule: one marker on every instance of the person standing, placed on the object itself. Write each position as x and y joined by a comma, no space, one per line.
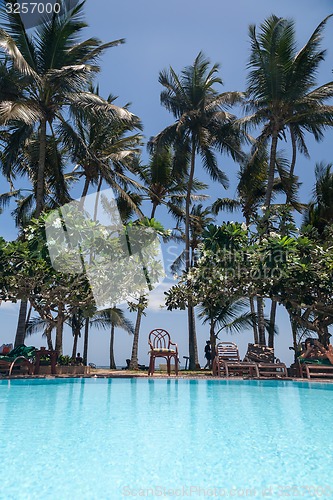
208,355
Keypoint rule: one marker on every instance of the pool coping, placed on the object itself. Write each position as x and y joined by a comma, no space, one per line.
125,374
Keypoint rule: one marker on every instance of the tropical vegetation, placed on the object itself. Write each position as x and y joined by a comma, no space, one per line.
61,141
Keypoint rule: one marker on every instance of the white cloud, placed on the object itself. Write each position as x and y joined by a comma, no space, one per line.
157,297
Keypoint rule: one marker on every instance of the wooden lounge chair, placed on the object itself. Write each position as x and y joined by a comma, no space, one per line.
20,356
268,365
315,370
161,347
227,362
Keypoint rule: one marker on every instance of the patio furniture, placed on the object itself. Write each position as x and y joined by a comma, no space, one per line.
17,358
268,365
53,355
315,369
227,362
161,346
187,360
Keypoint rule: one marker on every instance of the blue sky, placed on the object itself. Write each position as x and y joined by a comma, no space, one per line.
157,36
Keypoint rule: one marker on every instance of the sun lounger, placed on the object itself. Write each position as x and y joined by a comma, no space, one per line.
322,369
227,362
268,365
17,358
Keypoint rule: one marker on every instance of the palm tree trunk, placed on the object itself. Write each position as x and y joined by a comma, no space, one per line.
85,346
59,329
152,215
255,327
134,357
112,360
29,314
293,159
193,346
192,338
97,197
294,154
272,324
21,324
187,209
271,170
84,192
76,330
41,168
261,321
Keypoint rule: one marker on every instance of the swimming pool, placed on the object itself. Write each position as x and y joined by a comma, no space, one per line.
125,438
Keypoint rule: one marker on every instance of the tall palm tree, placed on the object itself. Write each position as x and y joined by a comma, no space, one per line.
202,126
25,162
251,192
231,315
138,307
43,74
163,187
115,318
53,69
200,218
104,149
281,92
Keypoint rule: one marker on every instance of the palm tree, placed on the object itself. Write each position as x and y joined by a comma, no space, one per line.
229,315
37,325
281,92
25,161
138,307
116,318
319,213
251,191
102,149
200,218
202,126
53,69
45,73
163,187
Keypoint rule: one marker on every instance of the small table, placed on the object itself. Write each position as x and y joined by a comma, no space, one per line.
186,361
53,355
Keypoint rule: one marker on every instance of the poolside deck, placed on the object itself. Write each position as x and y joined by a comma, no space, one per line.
183,374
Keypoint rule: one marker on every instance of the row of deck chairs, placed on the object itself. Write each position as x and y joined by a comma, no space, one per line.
258,362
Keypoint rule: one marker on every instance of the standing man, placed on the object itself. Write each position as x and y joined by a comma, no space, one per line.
208,355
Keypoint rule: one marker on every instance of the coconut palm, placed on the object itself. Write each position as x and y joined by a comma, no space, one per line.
115,318
203,125
139,307
25,162
200,218
53,69
103,148
251,191
44,73
231,316
37,324
57,182
319,213
281,92
163,186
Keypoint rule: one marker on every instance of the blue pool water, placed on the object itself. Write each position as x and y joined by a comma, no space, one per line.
132,438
